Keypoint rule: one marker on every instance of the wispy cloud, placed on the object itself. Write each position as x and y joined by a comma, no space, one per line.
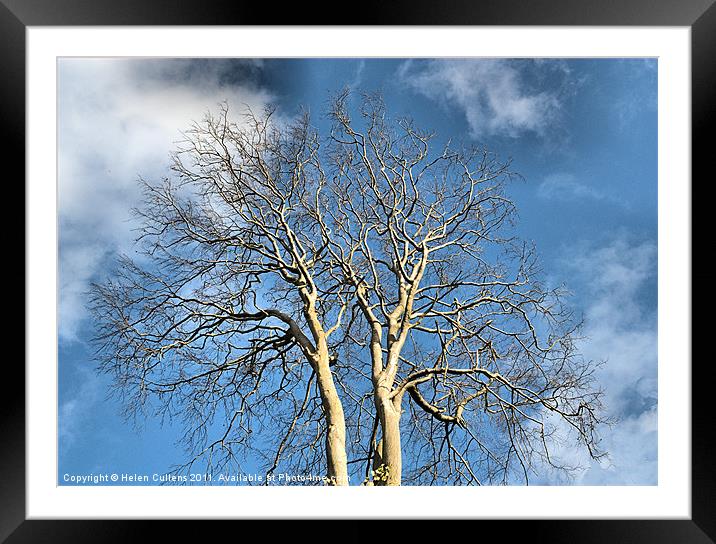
620,329
75,408
493,94
633,102
564,186
358,76
118,119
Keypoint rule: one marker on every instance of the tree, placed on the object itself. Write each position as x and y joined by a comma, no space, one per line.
231,314
291,289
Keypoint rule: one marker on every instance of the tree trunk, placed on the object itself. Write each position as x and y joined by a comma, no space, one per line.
389,447
336,428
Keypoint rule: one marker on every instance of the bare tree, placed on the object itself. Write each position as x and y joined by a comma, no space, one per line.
297,290
234,308
456,319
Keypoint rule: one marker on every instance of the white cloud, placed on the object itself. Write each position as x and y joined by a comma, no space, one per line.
118,119
73,409
358,76
621,329
492,93
563,186
638,97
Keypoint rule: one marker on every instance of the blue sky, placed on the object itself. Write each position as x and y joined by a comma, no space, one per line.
581,132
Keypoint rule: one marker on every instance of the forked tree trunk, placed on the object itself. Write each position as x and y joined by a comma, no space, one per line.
389,453
336,427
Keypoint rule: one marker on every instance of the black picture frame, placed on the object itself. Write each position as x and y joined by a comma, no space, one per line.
699,15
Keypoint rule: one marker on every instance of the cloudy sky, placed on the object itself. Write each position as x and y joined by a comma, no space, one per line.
582,133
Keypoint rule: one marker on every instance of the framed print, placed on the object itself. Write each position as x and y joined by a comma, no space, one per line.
453,260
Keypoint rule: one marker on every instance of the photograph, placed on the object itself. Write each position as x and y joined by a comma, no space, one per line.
345,271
